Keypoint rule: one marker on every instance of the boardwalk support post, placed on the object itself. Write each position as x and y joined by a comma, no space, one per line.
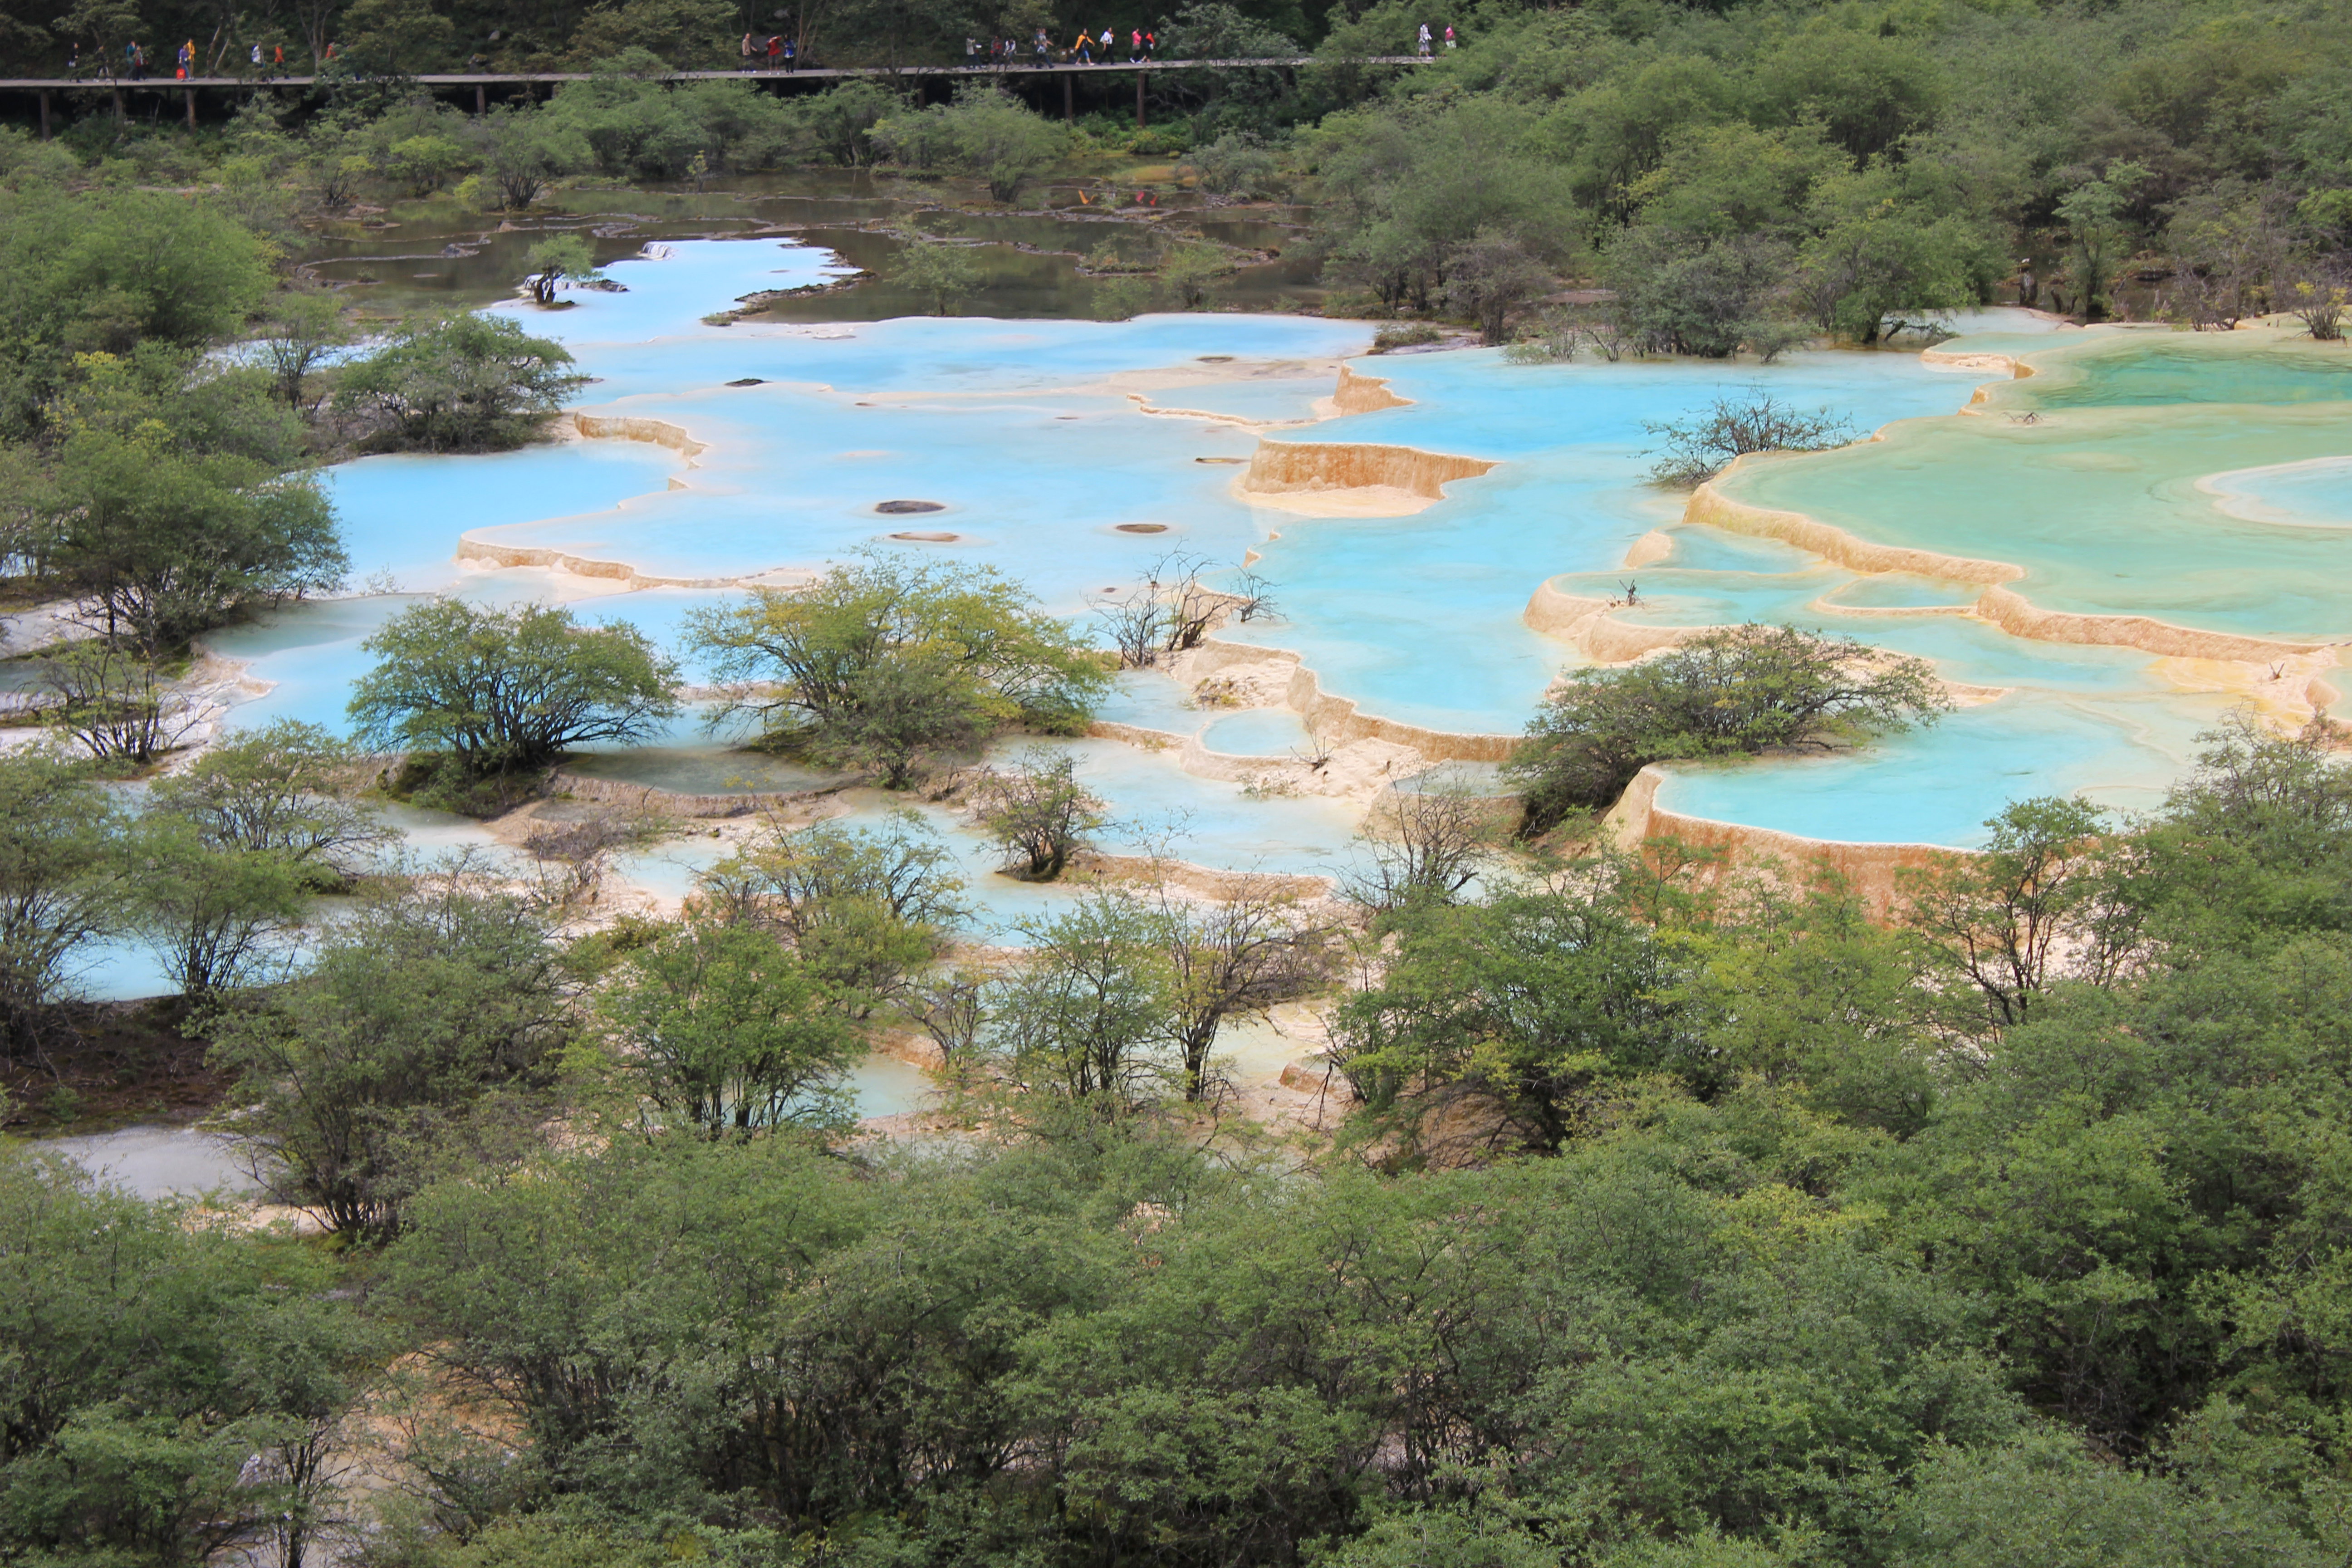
1138,98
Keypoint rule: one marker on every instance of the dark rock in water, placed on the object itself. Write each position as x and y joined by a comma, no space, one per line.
1142,528
900,508
922,538
1214,359
749,380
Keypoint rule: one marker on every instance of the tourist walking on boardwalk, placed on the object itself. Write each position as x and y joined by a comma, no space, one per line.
744,49
1449,36
792,56
1083,51
1424,40
1109,42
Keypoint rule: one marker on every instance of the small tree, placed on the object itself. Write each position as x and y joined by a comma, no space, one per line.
556,259
2099,237
1698,294
220,867
951,1008
908,710
473,382
2315,296
1189,607
176,500
1489,277
1728,691
721,1027
116,704
2003,917
1234,958
800,663
2229,251
1698,449
1135,623
794,881
302,336
424,163
1190,271
429,1012
938,270
1082,1015
524,152
278,791
57,881
863,909
502,691
1237,163
985,132
1038,813
215,917
1424,843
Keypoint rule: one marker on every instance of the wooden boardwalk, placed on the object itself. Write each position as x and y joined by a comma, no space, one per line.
46,88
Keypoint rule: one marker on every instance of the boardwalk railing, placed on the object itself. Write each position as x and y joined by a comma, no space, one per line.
529,81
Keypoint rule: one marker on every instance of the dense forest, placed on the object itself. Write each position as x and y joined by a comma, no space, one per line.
1682,1220
1742,176
1681,1215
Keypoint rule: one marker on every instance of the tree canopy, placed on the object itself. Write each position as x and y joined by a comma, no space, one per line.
505,690
881,660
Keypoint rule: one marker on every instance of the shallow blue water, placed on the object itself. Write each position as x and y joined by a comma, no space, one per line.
1260,732
1025,433
2316,494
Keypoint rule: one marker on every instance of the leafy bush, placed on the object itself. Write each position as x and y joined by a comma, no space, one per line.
1728,691
1686,294
472,383
57,886
428,1017
171,506
503,691
880,662
940,270
105,270
1237,163
724,1030
985,132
